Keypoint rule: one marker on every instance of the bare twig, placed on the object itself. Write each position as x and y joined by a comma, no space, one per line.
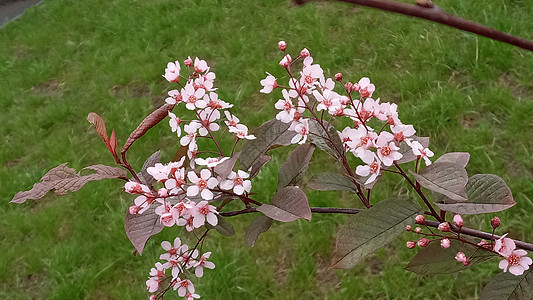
435,14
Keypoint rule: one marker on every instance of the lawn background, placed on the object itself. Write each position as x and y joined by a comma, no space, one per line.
66,58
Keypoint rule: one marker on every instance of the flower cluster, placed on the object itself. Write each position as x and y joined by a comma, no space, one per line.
515,260
178,259
312,91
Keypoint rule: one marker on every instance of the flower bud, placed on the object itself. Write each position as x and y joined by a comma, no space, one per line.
420,219
495,222
466,262
338,76
282,45
445,243
348,86
408,227
304,53
422,242
458,221
411,244
134,209
460,257
444,227
188,62
285,61
418,230
356,87
162,192
153,297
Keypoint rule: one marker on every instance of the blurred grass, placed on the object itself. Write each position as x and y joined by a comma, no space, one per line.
65,58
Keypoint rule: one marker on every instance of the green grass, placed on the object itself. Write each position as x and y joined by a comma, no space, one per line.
65,58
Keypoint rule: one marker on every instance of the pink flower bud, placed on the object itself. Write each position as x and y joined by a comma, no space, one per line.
356,87
134,209
304,53
285,61
282,45
458,221
162,192
418,230
408,227
495,222
188,62
411,244
445,243
420,219
460,257
338,76
423,242
348,86
153,297
466,262
444,227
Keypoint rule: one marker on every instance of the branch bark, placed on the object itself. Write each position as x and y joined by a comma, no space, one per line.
353,211
435,14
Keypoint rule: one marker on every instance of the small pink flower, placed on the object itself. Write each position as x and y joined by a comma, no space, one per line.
200,66
232,120
286,61
136,188
420,219
237,182
241,131
302,131
202,212
388,153
517,262
445,243
201,184
152,284
207,119
188,62
191,296
184,286
458,221
504,246
210,162
304,53
372,168
203,263
366,88
172,72
193,97
421,152
173,250
269,83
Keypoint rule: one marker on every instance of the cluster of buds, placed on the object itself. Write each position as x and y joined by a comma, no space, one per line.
178,259
515,260
377,149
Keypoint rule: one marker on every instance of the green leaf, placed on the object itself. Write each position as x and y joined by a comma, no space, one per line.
258,226
223,227
268,135
294,168
329,181
509,287
319,137
486,193
289,204
445,178
372,229
434,259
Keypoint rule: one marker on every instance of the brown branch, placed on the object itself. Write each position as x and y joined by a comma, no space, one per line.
353,211
480,234
437,15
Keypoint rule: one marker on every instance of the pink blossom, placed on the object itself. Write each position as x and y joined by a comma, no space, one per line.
504,246
460,257
152,284
136,188
269,83
174,123
422,152
183,286
458,221
158,271
210,162
207,118
203,263
203,83
232,120
241,131
193,97
517,262
191,296
237,182
166,215
188,62
202,212
326,99
200,66
327,84
174,97
302,131
286,114
444,227
172,72
173,250
286,61
201,184
310,73
304,53
190,138
372,168
401,132
366,88
388,153
214,103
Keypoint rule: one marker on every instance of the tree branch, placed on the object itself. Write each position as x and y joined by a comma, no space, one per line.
435,14
353,211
